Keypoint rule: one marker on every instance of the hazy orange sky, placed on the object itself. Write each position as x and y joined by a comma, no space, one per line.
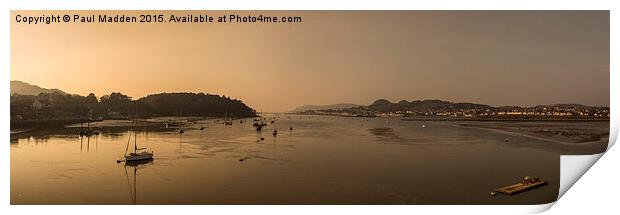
496,58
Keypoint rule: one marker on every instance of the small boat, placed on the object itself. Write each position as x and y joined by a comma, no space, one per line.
275,133
259,126
138,154
88,131
171,124
527,183
227,120
180,131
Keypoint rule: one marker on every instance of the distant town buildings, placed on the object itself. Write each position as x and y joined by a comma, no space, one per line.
509,112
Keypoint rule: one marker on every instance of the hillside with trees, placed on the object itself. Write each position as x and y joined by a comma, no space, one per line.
434,107
119,106
194,104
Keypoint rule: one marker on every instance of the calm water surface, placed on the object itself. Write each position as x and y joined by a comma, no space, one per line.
323,160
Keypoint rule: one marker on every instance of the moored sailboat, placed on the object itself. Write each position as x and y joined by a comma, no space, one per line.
138,154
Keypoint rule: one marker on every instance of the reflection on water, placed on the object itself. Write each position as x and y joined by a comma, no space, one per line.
85,142
386,133
133,185
323,160
382,131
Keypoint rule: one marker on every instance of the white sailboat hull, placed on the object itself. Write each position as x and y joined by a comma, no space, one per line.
140,156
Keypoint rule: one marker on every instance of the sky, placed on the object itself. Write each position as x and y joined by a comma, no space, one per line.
491,57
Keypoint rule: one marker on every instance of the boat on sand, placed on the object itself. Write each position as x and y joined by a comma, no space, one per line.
527,183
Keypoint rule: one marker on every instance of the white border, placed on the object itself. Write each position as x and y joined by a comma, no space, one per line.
578,200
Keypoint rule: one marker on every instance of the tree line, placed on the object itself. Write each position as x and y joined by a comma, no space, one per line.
117,105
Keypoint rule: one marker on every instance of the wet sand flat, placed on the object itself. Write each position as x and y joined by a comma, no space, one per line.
585,137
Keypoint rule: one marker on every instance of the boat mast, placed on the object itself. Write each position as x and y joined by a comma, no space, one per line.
135,142
135,172
135,134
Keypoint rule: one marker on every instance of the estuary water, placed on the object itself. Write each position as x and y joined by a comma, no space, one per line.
322,160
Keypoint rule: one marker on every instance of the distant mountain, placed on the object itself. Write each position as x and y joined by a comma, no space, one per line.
324,107
381,103
23,88
434,107
384,105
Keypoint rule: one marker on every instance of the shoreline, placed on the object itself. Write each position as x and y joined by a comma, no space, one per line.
507,119
547,139
75,122
481,119
75,125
